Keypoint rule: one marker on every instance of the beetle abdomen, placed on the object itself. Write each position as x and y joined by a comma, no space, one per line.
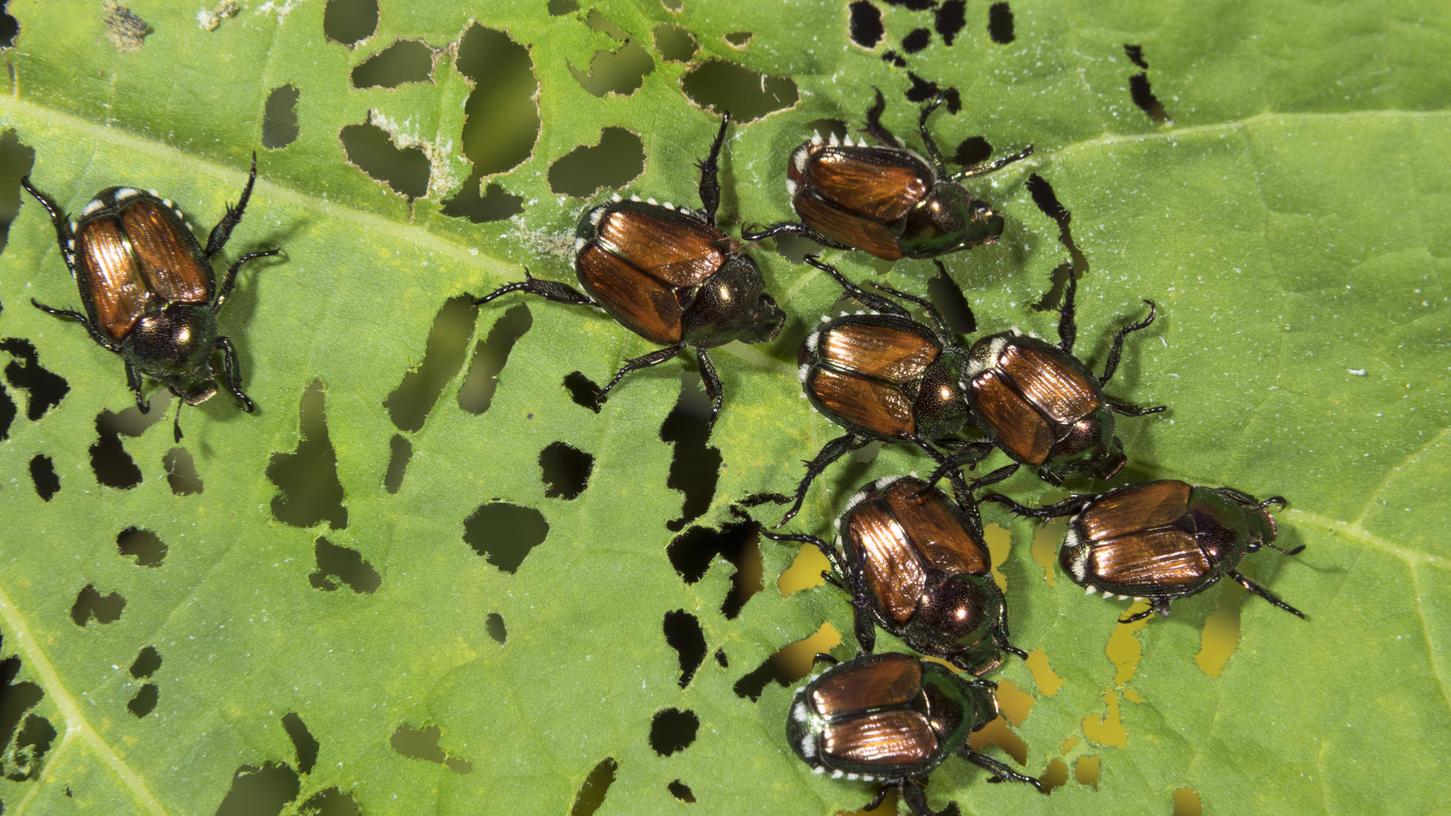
673,246
886,741
1148,562
1019,428
876,406
894,350
882,184
1138,507
888,680
167,251
1053,381
643,304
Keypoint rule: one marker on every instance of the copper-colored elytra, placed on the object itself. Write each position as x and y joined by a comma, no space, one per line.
877,406
893,568
938,533
1139,507
114,281
847,228
876,182
1018,425
886,680
881,738
896,353
1149,561
1049,379
168,258
640,302
675,249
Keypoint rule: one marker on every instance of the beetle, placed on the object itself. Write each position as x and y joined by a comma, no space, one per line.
892,718
148,288
1161,540
915,563
885,199
669,275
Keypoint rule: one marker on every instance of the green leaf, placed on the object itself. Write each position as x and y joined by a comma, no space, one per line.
299,633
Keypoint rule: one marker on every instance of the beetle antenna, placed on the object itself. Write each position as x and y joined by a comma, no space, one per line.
176,422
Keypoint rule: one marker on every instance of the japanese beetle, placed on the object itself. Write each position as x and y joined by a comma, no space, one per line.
915,564
148,288
1162,540
886,200
669,275
892,718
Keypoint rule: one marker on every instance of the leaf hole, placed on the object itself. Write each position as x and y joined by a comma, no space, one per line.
721,659
303,742
490,356
501,117
43,476
806,571
9,26
891,57
865,24
558,8
789,664
947,296
614,160
372,150
1219,638
331,802
1125,651
999,734
582,390
448,340
1106,729
683,633
675,43
922,90
912,5
260,790
349,22
1000,23
1054,776
504,534
144,701
112,465
279,117
1047,680
147,662
681,791
916,40
32,745
673,730
592,792
400,450
621,71
673,6
92,605
694,466
307,479
181,472
949,20
341,566
7,413
972,151
1139,89
15,699
496,204
1186,803
43,388
400,63
739,39
423,743
494,625
565,470
722,86
692,552
1087,769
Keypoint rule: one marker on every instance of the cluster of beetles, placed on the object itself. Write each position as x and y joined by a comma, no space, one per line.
911,559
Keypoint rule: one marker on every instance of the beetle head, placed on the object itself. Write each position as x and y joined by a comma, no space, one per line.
732,305
174,344
1088,450
947,219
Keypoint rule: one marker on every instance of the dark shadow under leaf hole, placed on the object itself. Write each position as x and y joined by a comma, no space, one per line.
592,792
142,546
43,388
692,552
683,633
490,356
504,534
565,470
279,117
865,26
694,466
181,472
260,790
307,479
673,730
340,566
494,625
725,86
423,743
43,475
618,157
448,340
92,605
350,21
402,62
681,791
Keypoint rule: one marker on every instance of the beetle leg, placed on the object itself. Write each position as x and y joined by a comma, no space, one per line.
823,657
881,794
830,452
1067,325
133,381
1264,593
1129,409
712,386
1067,507
1158,605
709,173
549,290
875,128
866,627
1001,772
223,230
1000,634
73,315
992,166
176,422
57,217
232,374
833,557
916,798
231,278
790,228
1117,347
951,466
654,358
874,302
925,305
931,144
